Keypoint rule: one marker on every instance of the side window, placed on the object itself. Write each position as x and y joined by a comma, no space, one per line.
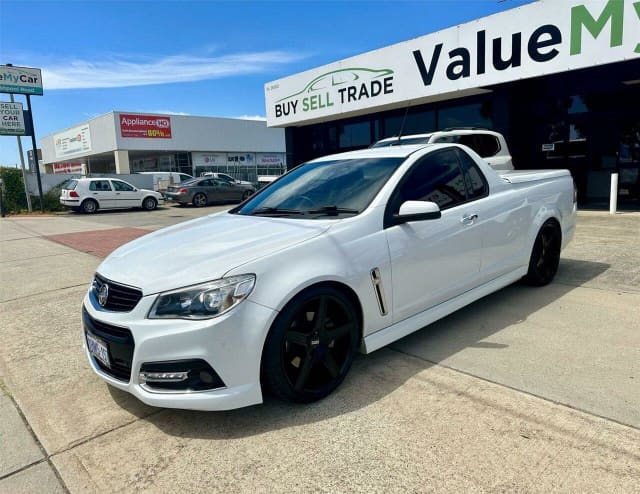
184,177
99,185
206,183
487,146
222,183
117,185
438,178
476,183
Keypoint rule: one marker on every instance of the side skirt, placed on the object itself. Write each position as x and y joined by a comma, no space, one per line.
407,326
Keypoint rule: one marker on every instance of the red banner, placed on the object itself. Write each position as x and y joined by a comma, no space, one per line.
67,168
145,126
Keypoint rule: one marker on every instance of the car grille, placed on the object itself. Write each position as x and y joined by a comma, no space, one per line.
119,343
121,298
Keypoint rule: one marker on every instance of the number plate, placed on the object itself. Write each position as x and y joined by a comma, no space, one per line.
98,349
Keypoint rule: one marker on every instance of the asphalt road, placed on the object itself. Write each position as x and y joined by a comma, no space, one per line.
527,390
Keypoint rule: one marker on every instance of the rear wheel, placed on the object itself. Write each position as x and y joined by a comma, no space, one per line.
89,206
199,200
545,256
311,345
149,203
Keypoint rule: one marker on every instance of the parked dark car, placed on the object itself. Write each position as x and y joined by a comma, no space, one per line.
201,191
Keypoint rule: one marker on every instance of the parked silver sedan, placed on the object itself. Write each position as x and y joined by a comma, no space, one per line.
201,191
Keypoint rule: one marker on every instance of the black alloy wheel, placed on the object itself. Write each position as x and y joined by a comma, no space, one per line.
89,206
246,194
149,204
199,200
545,256
311,345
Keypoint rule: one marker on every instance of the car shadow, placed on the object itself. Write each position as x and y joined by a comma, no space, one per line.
375,376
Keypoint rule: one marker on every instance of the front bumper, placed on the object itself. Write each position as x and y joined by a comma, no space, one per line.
231,344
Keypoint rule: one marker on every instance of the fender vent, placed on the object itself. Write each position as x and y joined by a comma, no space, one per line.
376,279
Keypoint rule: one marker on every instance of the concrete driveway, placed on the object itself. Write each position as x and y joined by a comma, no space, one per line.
528,390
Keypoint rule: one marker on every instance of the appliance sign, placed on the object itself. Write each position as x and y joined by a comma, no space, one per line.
145,126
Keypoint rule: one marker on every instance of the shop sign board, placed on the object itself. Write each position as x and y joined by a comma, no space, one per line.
209,159
20,80
67,168
241,158
11,119
145,126
73,141
543,37
270,159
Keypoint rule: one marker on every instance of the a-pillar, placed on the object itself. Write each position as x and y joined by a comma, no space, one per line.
122,161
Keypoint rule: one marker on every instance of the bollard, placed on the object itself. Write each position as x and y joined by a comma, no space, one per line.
613,197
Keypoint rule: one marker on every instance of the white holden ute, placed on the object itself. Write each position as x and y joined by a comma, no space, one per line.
343,254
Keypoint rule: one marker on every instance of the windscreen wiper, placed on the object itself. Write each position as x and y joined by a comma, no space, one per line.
271,210
332,210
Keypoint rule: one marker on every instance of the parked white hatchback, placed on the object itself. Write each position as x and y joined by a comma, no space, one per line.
345,253
90,194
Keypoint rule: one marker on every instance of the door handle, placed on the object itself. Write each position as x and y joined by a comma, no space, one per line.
469,219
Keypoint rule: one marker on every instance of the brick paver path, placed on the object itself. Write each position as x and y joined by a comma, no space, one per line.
99,243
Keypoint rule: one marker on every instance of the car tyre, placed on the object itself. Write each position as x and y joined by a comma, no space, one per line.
247,194
199,200
311,345
89,206
545,255
150,203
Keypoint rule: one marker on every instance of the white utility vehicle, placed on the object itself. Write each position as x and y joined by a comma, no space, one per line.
163,180
342,254
490,145
90,194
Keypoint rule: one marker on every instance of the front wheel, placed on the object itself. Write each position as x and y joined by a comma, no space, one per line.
199,200
247,194
149,203
311,346
545,256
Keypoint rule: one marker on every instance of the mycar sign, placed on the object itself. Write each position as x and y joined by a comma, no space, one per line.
20,80
544,37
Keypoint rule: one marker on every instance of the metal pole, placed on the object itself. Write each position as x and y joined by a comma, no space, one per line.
24,172
613,198
35,153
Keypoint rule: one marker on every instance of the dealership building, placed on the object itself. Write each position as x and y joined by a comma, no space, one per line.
126,142
560,80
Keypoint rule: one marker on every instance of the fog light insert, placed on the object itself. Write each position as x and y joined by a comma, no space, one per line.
179,376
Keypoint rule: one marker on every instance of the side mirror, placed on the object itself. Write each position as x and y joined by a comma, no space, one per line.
417,211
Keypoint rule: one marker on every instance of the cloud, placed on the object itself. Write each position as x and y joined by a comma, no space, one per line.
166,112
252,117
81,74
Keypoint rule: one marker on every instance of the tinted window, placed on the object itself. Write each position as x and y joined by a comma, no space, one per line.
184,177
70,185
121,185
99,185
205,183
437,178
487,145
227,178
476,184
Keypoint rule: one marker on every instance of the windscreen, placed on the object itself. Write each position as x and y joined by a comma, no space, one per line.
326,188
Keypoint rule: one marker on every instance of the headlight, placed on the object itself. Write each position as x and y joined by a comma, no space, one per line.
203,301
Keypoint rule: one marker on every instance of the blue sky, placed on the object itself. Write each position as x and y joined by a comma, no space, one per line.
195,57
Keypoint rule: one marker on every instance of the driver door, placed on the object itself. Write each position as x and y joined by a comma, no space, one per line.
433,261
